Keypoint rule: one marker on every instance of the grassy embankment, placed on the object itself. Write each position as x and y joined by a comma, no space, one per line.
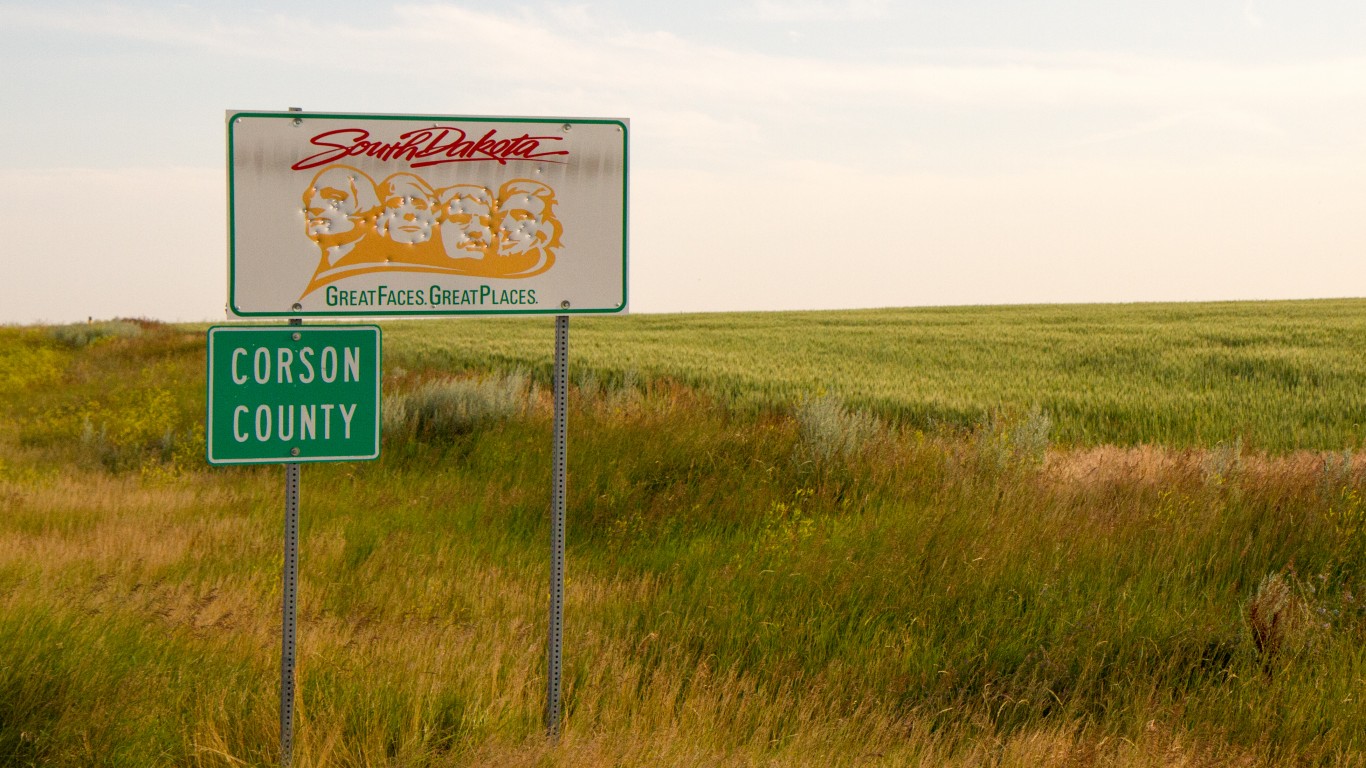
757,573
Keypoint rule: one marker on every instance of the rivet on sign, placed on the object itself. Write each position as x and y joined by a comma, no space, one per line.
564,304
298,307
298,121
567,127
294,451
297,336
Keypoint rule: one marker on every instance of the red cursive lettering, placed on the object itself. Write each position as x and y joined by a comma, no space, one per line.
425,147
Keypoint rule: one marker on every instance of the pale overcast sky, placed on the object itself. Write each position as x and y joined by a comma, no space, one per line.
803,154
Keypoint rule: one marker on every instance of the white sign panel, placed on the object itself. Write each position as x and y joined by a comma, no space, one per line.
372,215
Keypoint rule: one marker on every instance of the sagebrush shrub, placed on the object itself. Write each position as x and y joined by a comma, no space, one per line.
446,408
829,429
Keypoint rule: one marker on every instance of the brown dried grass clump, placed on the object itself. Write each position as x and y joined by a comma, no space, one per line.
1153,466
1144,465
1277,616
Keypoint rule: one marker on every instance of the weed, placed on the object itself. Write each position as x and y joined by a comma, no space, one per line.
1346,514
625,395
121,434
1224,462
79,335
1278,617
787,525
590,388
443,409
28,361
829,430
1005,441
1337,471
1028,439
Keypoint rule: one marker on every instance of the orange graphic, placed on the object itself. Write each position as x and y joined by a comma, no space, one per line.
402,224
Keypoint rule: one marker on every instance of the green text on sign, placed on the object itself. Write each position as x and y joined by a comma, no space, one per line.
293,393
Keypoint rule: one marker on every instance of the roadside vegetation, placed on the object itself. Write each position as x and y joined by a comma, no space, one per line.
1280,376
1048,536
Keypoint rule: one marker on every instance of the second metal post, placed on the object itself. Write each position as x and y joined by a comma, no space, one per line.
291,587
557,494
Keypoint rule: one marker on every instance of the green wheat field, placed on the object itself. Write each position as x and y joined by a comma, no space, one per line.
1128,535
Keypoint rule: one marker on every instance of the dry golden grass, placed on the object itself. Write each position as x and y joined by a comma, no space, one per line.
422,614
105,545
1153,466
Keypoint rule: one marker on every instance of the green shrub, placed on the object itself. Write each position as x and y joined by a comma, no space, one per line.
79,335
828,429
1005,441
445,408
1224,461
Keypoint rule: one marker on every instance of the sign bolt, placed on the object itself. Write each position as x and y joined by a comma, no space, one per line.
564,304
296,335
298,307
294,451
567,127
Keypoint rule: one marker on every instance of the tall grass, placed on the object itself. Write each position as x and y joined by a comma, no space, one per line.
799,584
1280,375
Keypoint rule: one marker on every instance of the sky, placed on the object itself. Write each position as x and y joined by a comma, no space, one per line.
784,154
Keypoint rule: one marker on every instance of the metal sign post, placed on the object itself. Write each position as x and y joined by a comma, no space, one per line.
557,494
289,608
290,601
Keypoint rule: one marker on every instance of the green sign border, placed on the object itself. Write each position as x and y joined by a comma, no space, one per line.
232,213
229,330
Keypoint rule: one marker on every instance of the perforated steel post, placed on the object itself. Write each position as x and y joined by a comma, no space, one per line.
557,495
291,591
290,602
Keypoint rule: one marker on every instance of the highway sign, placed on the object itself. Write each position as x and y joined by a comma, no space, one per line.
286,394
406,215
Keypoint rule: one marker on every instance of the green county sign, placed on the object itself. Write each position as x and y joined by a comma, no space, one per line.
293,394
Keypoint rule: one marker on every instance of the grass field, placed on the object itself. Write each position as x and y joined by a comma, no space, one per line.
1279,376
1017,536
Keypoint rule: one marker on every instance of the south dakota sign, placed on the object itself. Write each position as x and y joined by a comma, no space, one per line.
402,215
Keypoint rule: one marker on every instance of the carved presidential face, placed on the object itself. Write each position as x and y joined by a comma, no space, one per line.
328,213
336,204
521,223
467,218
409,214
